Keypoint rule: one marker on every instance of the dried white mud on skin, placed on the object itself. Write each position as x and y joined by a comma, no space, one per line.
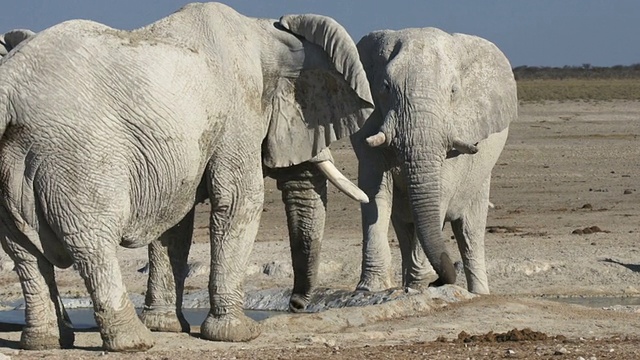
559,157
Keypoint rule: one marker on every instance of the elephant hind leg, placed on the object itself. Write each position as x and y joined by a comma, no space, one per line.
95,255
469,232
47,324
167,272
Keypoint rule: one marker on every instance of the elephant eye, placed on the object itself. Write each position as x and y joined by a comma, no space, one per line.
455,89
386,86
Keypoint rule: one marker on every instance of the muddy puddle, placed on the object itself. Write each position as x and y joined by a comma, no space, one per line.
82,318
597,301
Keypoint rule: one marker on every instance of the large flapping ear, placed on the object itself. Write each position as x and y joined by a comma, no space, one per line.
12,38
328,100
488,95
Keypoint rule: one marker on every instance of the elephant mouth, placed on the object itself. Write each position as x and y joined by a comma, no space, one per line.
341,182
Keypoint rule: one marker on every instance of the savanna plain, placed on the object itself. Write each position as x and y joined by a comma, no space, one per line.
566,226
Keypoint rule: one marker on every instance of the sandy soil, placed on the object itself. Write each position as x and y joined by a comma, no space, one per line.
566,167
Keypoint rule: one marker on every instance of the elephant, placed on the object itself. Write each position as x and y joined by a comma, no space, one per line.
109,137
304,193
444,103
12,38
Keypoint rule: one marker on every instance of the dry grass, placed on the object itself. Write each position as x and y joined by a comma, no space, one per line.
578,89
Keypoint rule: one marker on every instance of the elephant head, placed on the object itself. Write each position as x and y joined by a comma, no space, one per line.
324,97
11,39
436,96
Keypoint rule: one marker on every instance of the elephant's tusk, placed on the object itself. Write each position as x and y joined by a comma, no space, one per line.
341,182
464,147
377,139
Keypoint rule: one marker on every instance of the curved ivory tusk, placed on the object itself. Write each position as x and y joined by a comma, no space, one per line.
341,182
464,147
377,139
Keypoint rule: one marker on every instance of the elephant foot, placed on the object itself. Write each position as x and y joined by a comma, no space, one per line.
421,282
229,328
46,337
164,321
419,285
298,302
478,288
124,333
374,283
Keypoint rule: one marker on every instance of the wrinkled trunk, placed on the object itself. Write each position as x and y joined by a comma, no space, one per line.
304,193
422,156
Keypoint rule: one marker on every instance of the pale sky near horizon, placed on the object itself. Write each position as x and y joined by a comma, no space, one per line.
533,32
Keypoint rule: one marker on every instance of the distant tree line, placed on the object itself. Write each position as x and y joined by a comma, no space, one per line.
585,71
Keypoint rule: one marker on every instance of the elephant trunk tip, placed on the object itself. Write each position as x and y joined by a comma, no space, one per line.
447,273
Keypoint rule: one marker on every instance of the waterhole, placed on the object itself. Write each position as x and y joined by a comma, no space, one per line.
82,318
598,301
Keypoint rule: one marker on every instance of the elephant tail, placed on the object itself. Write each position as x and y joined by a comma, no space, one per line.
21,206
5,110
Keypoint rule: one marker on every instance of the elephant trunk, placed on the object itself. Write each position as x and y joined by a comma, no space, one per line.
423,157
304,193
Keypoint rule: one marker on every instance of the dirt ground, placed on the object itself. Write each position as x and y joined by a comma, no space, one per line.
566,223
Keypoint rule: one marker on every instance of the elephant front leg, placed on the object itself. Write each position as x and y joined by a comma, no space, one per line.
120,328
47,323
237,194
376,255
167,272
304,193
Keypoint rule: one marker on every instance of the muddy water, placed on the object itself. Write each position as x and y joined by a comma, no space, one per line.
597,301
82,318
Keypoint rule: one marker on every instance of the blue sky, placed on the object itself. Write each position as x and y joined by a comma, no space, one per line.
529,32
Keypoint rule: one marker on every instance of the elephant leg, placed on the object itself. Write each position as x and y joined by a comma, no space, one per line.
236,189
167,272
120,328
469,232
47,323
304,193
376,255
417,272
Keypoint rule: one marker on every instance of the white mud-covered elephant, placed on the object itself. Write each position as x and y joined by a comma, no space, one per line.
12,38
109,137
304,193
443,107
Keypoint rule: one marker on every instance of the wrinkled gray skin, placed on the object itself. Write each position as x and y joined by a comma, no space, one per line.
12,38
443,107
304,193
110,137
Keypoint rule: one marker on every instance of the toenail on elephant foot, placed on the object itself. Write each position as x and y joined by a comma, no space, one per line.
231,328
165,321
298,303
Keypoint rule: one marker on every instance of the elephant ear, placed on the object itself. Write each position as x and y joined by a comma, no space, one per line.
329,99
487,93
12,38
